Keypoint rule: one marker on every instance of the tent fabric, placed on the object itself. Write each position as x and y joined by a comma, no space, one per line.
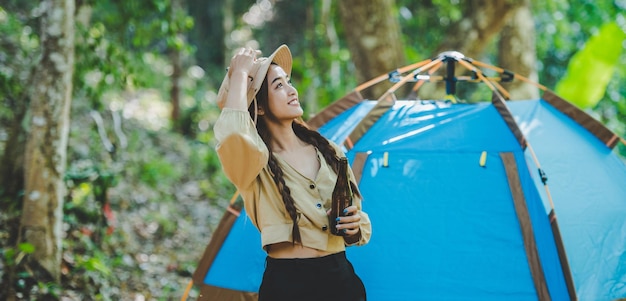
364,125
217,239
558,238
240,262
521,209
210,293
609,138
439,145
586,180
500,105
447,228
335,109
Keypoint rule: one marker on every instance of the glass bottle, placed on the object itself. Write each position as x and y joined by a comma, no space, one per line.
341,197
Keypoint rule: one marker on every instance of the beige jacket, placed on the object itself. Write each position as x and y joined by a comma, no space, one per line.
244,158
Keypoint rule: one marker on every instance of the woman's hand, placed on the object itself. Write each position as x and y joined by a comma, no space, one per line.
349,223
239,78
243,61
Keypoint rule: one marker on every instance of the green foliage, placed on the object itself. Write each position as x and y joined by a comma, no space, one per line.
25,283
591,68
123,46
95,264
158,171
49,290
100,65
13,256
144,24
563,28
87,266
19,47
424,25
122,55
88,183
322,69
25,247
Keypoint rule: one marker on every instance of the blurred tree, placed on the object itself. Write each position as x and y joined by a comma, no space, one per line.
479,22
217,29
517,52
308,22
322,70
374,39
46,146
208,34
19,53
123,42
19,50
564,26
591,68
175,54
123,47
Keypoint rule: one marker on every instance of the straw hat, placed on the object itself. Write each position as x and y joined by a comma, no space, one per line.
281,56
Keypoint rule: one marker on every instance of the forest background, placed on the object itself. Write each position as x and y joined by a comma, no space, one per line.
107,106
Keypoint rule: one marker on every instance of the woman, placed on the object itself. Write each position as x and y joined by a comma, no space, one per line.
285,173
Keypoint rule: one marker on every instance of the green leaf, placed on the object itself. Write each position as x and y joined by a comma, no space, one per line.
591,68
27,248
9,254
95,264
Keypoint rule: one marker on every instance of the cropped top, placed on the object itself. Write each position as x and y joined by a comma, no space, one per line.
244,157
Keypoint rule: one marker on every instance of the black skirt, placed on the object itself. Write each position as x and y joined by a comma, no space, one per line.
327,278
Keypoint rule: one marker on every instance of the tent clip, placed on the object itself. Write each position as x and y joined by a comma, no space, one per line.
507,76
394,76
542,174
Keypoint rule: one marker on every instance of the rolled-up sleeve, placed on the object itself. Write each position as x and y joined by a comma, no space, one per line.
241,150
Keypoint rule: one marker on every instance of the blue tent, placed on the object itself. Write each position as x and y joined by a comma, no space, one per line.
523,200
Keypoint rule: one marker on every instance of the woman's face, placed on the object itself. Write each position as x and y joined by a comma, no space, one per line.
283,99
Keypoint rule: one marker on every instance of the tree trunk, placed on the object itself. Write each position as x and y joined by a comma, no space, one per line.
208,35
177,70
228,26
12,163
46,144
311,102
374,39
517,53
332,41
482,20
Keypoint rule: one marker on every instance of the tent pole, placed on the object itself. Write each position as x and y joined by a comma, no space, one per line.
419,83
480,75
515,75
544,179
187,290
382,77
504,92
450,78
406,78
558,240
384,103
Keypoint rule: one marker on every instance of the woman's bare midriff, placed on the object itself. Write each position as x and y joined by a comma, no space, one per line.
289,250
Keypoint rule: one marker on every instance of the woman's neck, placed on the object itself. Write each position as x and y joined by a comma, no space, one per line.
284,139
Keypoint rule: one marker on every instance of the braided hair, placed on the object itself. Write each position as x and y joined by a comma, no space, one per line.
303,133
